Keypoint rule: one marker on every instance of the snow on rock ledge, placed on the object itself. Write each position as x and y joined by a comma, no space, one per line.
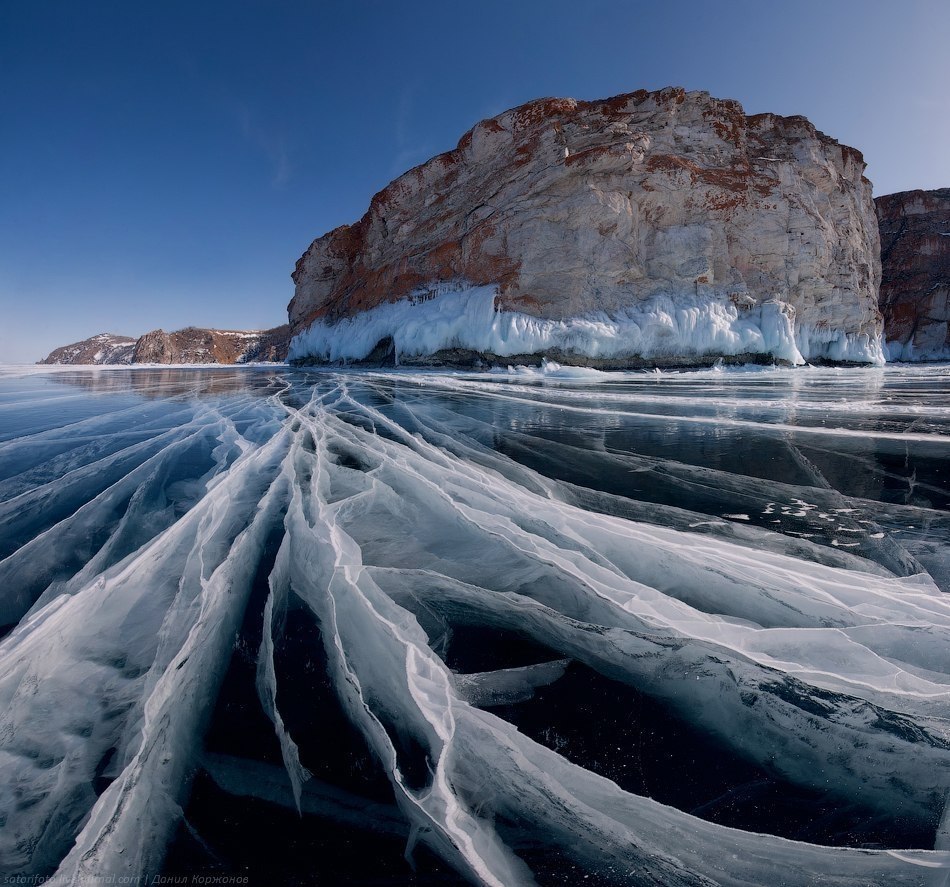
649,225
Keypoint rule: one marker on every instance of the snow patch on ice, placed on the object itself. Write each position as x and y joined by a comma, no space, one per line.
552,370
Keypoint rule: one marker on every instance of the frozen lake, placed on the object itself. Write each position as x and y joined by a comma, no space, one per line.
547,626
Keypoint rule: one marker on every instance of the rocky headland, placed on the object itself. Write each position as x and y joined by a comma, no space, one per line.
659,227
105,348
915,283
187,346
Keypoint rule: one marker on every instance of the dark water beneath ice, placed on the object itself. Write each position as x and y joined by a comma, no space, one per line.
550,626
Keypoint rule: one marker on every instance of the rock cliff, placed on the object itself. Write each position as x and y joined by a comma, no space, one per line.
186,346
194,345
660,226
915,285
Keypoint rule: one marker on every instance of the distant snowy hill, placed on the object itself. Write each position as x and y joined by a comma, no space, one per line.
106,348
187,346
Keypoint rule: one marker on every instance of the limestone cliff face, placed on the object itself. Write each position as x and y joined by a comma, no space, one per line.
915,286
574,209
189,346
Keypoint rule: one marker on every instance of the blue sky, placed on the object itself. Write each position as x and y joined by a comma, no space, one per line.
165,163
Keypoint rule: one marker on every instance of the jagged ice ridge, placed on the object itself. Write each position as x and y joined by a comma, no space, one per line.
664,327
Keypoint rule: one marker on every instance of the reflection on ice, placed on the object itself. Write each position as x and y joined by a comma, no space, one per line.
680,629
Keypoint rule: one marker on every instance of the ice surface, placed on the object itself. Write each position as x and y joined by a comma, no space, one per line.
508,685
665,326
618,523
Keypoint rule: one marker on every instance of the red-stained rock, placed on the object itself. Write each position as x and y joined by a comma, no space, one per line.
915,283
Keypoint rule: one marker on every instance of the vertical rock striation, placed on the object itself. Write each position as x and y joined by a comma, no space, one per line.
915,284
660,226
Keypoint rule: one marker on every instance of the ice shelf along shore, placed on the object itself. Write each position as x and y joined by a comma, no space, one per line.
663,327
536,627
937,352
